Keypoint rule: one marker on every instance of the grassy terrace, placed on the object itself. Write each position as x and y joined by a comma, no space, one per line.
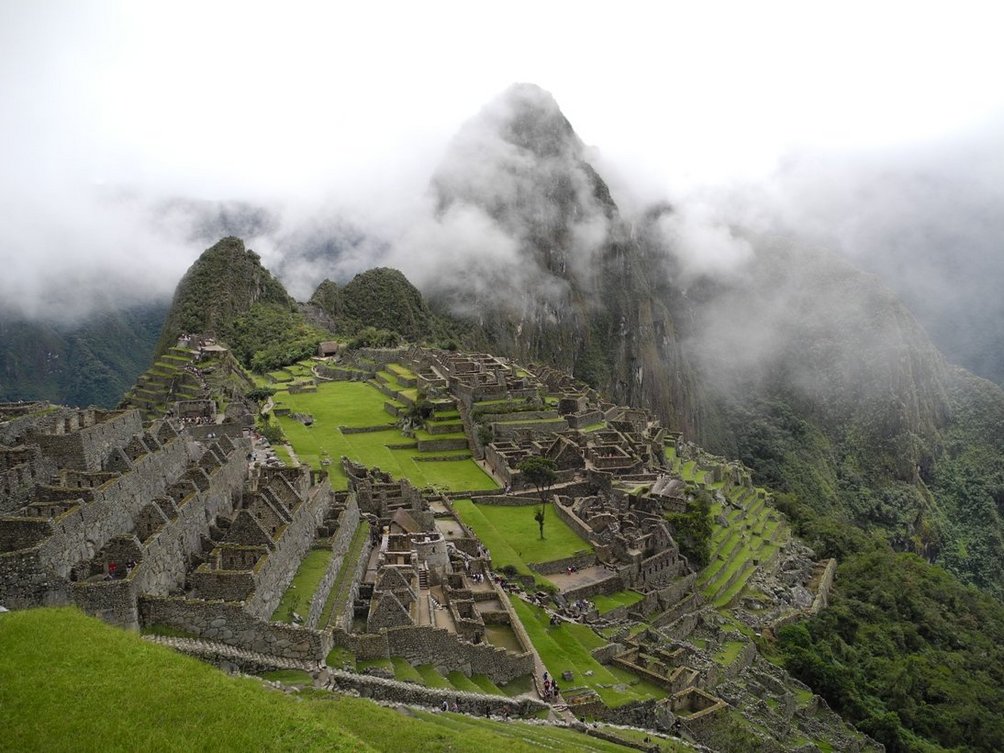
301,589
736,549
428,675
357,404
604,603
70,683
568,646
339,593
513,538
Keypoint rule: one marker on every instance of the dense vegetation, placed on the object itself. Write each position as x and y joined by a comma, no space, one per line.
92,362
905,652
692,530
268,337
953,516
380,306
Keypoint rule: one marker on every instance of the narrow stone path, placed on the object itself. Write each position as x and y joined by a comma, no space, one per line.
198,647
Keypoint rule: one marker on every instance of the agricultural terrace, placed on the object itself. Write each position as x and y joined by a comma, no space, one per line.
568,646
511,534
754,534
358,405
428,675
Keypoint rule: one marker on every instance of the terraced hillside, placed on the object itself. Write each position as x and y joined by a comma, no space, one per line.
359,420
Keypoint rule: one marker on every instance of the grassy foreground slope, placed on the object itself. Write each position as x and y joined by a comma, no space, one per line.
71,683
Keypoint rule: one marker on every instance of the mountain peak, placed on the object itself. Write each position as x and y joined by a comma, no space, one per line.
225,281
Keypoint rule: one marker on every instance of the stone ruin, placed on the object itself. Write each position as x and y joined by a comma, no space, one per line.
102,512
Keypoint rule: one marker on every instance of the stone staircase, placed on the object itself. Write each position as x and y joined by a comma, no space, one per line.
216,652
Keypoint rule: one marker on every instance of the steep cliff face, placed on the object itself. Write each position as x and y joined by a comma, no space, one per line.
562,278
809,370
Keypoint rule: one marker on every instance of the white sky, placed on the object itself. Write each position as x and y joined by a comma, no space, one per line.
298,102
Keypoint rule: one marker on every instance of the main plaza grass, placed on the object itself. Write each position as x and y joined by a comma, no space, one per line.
568,646
512,536
357,405
71,684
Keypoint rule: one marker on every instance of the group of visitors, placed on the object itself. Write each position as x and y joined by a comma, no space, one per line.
113,571
551,689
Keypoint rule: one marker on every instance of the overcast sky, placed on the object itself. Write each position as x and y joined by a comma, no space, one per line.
109,108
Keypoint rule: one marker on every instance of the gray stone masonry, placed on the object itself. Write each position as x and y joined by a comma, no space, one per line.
393,691
228,623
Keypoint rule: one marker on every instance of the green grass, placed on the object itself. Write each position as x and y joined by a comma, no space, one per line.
71,683
357,404
341,658
404,671
483,735
431,676
568,646
729,652
343,581
462,682
518,686
512,536
653,740
363,664
301,589
282,452
605,602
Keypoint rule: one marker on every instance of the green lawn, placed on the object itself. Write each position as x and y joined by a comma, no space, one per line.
605,602
71,683
405,672
513,529
358,404
343,581
568,646
301,589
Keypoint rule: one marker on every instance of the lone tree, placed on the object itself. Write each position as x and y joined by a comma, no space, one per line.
542,473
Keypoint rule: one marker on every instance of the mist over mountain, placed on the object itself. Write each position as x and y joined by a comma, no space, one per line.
751,341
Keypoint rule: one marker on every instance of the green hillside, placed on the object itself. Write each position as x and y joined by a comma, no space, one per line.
71,683
88,362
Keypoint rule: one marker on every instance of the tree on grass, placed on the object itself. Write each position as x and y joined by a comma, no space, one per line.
542,473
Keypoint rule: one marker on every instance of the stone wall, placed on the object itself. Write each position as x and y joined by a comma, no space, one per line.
229,623
651,714
113,601
572,520
166,552
277,572
822,598
578,560
348,521
425,645
345,609
26,580
421,644
606,586
392,691
86,448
